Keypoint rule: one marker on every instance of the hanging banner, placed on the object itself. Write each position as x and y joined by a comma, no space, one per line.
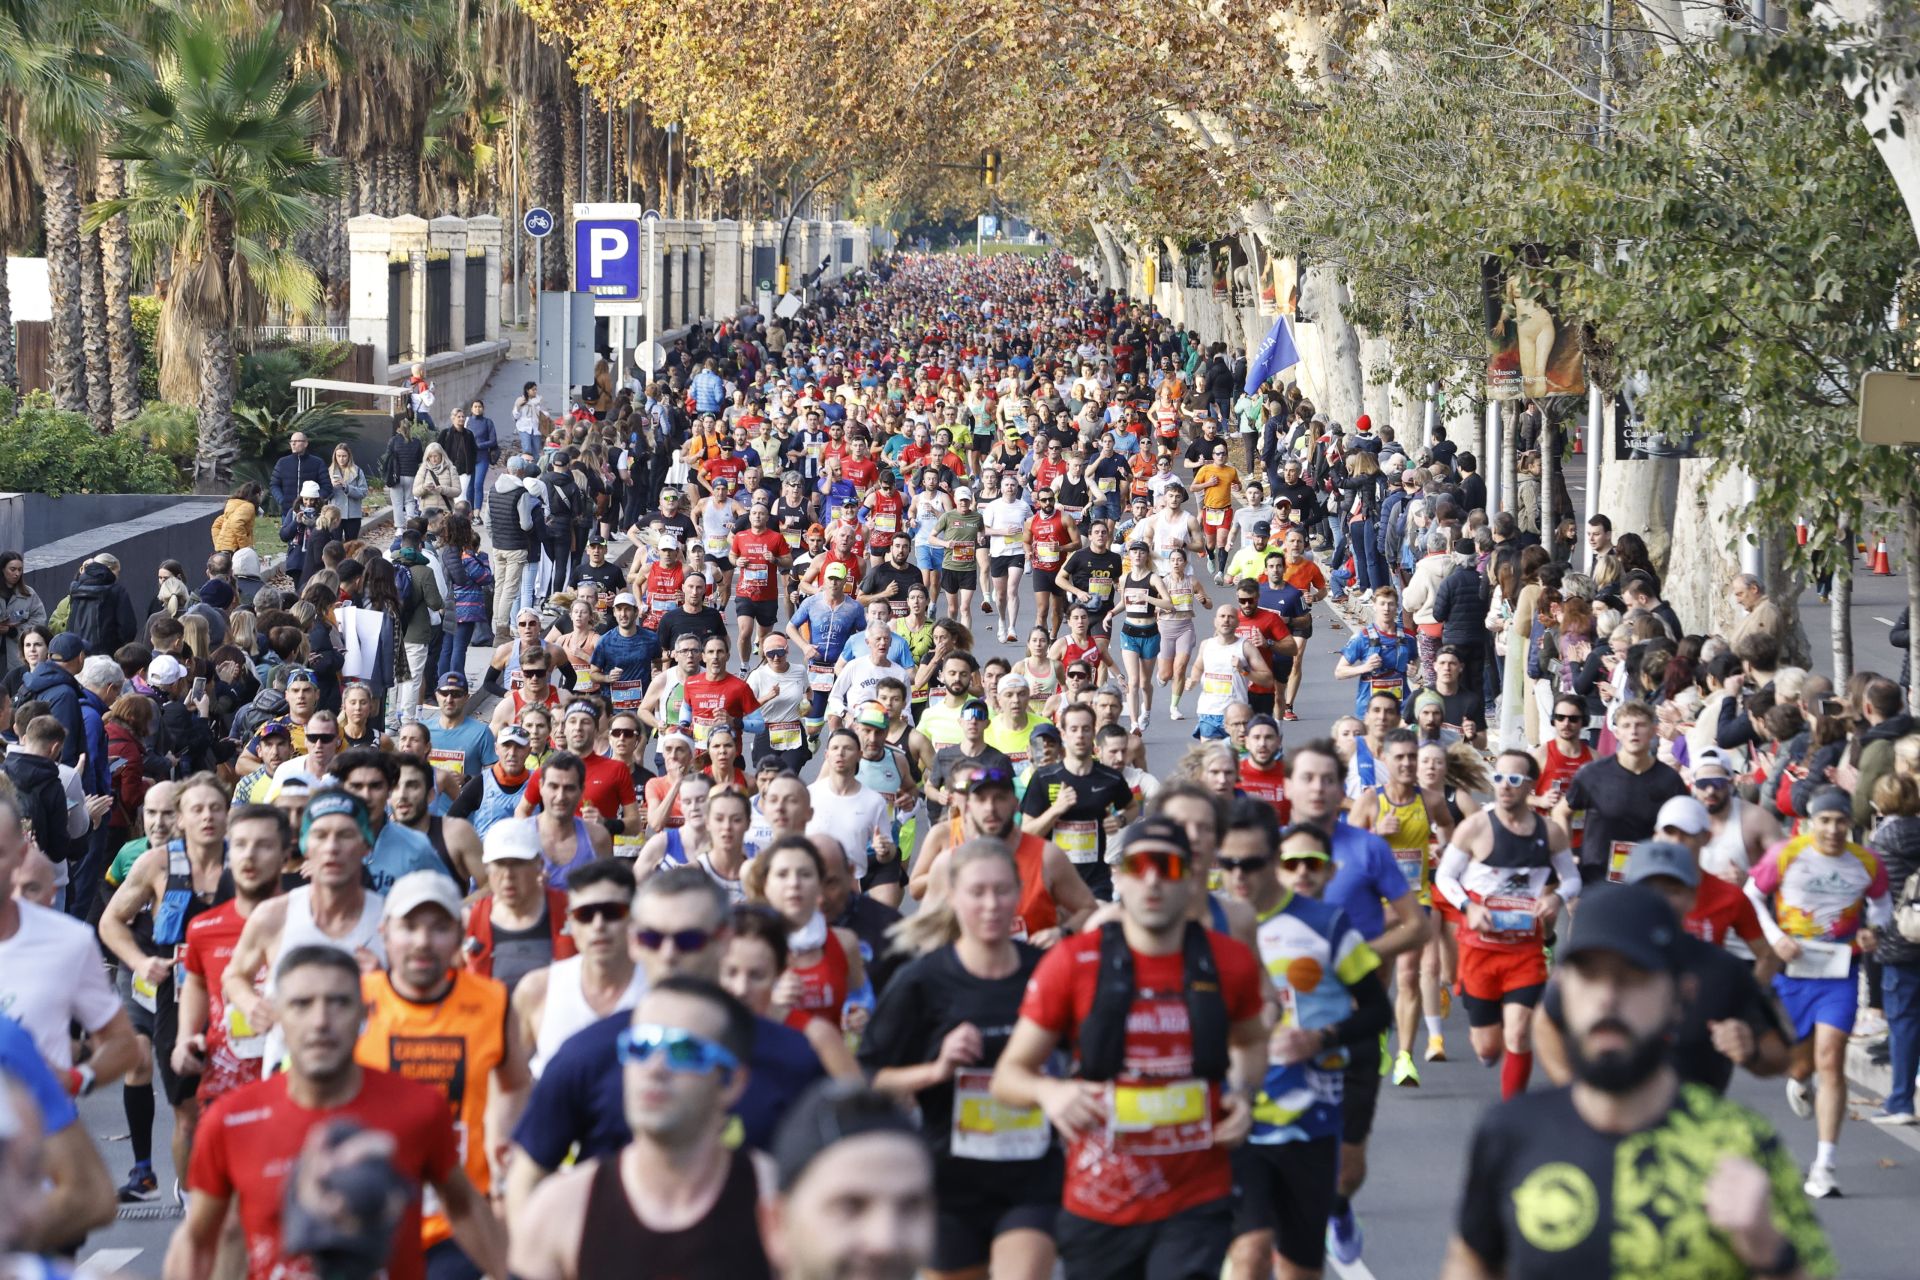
1225,257
1280,286
1531,352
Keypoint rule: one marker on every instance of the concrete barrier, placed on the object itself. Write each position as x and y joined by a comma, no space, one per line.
57,535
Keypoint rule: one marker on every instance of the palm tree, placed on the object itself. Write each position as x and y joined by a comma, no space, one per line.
225,174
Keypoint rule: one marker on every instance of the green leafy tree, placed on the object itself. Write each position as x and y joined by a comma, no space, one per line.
225,175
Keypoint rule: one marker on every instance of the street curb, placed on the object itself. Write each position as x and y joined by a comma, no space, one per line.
1871,1077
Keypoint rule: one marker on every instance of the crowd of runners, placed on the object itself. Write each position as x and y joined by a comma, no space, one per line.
778,920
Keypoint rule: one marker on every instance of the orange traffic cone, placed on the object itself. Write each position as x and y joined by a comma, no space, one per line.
1800,530
1881,565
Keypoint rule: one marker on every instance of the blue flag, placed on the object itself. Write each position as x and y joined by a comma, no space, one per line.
1275,354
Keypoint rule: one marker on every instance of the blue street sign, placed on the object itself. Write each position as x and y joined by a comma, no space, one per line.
606,257
538,222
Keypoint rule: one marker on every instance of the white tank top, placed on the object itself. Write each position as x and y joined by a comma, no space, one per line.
1222,683
300,930
566,1009
1725,855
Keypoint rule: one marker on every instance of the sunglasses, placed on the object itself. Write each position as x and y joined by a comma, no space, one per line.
1167,864
1713,784
623,733
686,1053
1248,865
1301,862
1510,779
534,671
684,940
588,913
323,738
1579,718
1078,675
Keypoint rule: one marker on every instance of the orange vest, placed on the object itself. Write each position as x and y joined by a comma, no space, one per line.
453,1045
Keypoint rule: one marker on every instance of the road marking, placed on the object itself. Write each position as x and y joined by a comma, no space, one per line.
106,1262
1885,622
1355,1270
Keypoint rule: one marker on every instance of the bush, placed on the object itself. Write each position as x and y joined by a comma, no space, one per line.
146,331
263,437
43,450
267,374
170,431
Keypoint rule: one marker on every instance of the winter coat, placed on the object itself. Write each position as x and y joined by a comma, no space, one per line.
54,685
350,493
43,802
1460,607
402,460
127,757
23,609
233,528
294,470
437,487
100,611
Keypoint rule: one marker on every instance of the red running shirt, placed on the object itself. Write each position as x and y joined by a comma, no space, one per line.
211,938
1121,1179
249,1139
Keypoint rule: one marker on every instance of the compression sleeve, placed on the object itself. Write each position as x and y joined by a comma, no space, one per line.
1569,872
1453,861
1764,909
1372,1011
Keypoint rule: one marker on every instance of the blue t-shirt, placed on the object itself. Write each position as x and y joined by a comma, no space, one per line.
578,1097
22,1061
1397,654
1364,877
398,850
470,737
899,652
829,628
630,655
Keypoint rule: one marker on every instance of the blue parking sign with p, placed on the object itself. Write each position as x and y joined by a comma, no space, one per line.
606,257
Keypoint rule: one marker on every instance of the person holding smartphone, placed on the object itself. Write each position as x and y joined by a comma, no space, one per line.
184,709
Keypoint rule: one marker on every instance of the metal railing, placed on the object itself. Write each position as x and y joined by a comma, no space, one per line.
294,334
476,326
400,313
439,306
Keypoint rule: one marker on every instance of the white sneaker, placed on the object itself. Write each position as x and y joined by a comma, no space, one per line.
1173,713
1892,1119
1820,1182
1799,1099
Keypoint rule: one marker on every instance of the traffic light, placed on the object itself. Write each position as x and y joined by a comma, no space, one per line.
783,278
990,168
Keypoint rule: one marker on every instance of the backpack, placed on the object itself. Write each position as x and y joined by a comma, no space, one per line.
1103,1032
1906,910
410,600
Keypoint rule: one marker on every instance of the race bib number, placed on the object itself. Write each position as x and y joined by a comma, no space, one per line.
628,847
1412,866
448,760
1818,959
887,523
1215,518
1513,919
785,735
241,1038
819,678
1080,841
1390,684
960,555
1183,602
753,576
1100,589
1046,554
626,693
1617,854
984,1129
146,995
1161,1119
717,547
1216,686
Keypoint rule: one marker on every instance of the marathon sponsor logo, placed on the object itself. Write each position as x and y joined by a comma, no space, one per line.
438,1061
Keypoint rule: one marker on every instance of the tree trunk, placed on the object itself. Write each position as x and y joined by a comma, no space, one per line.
540,171
219,444
9,358
569,114
338,264
1509,498
66,335
1323,296
93,309
116,267
1549,477
1841,602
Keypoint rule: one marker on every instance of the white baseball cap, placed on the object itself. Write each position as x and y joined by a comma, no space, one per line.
417,889
511,840
1684,814
164,670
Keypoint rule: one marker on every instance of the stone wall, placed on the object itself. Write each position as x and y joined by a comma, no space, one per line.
57,535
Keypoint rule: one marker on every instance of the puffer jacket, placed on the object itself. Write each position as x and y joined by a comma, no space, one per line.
233,528
100,610
1897,841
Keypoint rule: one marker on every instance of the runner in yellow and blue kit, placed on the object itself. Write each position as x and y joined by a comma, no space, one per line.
1322,971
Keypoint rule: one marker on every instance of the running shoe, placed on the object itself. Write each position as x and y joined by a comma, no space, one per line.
1173,712
1436,1048
1799,1099
1820,1182
141,1186
986,607
1290,714
1405,1073
1891,1119
1344,1240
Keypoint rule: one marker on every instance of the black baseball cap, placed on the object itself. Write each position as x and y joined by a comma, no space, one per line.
1630,920
831,1112
1156,833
